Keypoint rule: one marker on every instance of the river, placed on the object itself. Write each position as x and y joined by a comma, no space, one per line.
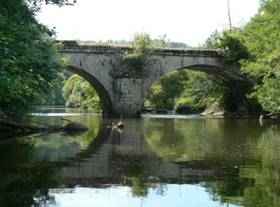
153,161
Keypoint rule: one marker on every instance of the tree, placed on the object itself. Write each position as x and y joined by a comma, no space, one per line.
201,90
79,93
163,94
28,57
235,52
261,37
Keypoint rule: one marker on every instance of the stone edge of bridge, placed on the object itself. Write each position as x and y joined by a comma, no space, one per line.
70,46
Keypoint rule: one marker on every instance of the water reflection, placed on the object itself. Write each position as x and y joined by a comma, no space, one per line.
151,162
178,195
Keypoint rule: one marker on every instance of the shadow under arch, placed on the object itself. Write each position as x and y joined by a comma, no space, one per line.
209,69
213,70
106,103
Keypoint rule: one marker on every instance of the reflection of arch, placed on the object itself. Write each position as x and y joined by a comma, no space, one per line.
105,99
102,137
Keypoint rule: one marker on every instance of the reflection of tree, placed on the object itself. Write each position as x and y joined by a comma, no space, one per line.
135,175
132,170
228,190
266,191
24,184
27,186
27,171
211,140
139,188
166,141
218,145
92,122
59,146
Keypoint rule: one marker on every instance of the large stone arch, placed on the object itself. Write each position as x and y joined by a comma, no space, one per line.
105,99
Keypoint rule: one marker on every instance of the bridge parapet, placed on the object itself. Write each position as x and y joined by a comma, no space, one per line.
94,48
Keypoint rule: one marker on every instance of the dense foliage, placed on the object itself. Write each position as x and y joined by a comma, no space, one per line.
229,93
28,57
186,91
261,37
201,91
232,45
163,95
78,93
256,47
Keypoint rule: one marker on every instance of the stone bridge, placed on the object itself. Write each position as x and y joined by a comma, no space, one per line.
122,89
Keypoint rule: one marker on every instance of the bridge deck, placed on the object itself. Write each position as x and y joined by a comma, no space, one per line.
91,47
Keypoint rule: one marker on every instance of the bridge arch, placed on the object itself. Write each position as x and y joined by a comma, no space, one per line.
105,99
210,69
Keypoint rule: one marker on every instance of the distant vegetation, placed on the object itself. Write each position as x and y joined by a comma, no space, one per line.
78,93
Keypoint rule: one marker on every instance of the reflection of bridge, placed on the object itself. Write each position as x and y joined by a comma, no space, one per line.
113,156
121,87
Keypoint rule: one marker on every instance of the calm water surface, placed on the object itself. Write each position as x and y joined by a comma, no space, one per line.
151,162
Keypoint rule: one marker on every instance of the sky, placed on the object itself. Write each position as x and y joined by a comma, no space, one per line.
188,21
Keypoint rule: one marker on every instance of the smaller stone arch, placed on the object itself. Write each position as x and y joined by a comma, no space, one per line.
106,102
211,69
217,70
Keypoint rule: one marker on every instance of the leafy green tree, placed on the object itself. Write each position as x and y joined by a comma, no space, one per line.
164,93
55,94
201,90
28,57
232,44
235,51
261,36
79,93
